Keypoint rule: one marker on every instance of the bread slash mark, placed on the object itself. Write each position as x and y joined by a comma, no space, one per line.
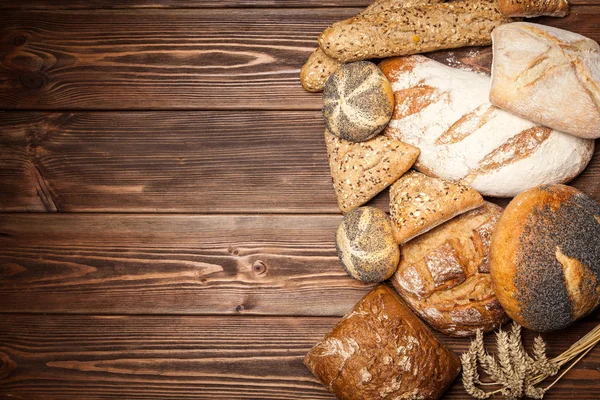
413,100
467,124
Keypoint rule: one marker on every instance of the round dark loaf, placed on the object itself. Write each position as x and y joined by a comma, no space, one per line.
358,102
365,245
545,257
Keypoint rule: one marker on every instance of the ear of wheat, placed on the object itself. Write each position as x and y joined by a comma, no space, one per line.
513,369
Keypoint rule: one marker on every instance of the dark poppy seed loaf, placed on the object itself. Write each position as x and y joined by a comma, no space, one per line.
358,102
545,257
365,245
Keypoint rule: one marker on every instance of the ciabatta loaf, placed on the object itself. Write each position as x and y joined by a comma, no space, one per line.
445,112
549,76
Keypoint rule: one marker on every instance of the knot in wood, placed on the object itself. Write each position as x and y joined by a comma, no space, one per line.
32,80
6,365
259,267
19,40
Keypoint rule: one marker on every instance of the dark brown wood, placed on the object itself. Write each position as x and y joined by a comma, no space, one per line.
121,4
172,59
134,357
207,162
173,264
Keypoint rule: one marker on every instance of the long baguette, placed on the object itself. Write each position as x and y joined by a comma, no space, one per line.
319,66
413,30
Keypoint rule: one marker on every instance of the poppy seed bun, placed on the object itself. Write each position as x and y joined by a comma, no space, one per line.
358,102
365,245
545,257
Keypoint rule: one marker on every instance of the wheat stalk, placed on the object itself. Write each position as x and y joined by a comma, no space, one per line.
516,372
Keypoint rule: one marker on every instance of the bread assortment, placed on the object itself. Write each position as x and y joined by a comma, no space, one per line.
544,257
445,112
537,67
444,274
419,203
357,102
362,170
462,264
381,350
411,30
366,246
534,8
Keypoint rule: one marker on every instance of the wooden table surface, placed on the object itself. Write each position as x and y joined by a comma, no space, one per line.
167,215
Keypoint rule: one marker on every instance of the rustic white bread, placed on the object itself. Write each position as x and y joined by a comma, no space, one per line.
319,66
444,274
419,203
549,76
361,170
545,257
412,30
357,102
365,245
382,351
534,8
445,112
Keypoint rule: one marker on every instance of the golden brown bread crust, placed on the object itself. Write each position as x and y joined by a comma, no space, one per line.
381,350
412,30
419,203
365,245
444,274
361,170
545,257
534,8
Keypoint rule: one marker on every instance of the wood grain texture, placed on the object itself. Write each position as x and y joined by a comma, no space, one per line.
149,357
121,4
173,59
200,162
173,264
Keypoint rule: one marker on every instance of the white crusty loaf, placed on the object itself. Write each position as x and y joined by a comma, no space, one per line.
445,112
549,76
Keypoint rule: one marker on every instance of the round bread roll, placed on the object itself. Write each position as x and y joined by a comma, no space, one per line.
365,245
545,257
444,274
358,102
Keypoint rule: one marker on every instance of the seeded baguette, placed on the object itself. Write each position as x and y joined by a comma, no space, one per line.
534,8
419,29
319,66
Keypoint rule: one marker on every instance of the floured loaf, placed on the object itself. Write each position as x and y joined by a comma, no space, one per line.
445,112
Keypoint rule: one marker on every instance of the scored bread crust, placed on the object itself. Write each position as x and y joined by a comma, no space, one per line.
444,274
412,30
381,350
536,68
446,113
545,257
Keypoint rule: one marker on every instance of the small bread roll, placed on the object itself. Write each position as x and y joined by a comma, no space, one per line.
358,102
317,69
365,244
545,257
534,8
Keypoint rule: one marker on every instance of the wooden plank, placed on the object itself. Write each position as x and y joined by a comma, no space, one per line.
148,357
176,264
173,59
200,162
112,4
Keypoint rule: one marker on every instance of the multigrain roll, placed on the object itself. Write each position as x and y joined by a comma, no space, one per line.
365,245
545,257
357,102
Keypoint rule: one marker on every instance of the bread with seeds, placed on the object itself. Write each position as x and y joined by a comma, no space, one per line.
446,113
361,170
419,203
444,274
534,8
382,350
357,102
545,257
412,30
